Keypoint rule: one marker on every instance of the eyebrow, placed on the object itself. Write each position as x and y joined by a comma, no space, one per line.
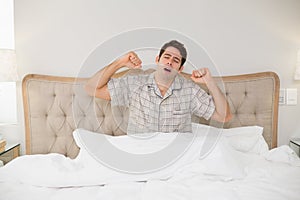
175,57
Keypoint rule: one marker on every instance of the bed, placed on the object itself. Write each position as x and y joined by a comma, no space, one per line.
66,131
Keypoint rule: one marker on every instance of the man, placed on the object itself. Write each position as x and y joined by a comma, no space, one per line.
163,101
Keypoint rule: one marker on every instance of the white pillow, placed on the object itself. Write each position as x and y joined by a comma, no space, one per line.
283,154
245,139
100,154
228,150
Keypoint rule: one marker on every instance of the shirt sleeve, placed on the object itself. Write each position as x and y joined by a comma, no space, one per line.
202,103
121,89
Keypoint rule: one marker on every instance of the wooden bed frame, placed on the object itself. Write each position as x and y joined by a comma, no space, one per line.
55,106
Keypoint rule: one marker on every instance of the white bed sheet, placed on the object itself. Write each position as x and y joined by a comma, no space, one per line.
265,180
231,171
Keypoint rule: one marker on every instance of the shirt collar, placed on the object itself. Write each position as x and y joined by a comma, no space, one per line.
177,83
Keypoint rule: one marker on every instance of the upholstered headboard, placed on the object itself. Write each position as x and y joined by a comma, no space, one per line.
55,106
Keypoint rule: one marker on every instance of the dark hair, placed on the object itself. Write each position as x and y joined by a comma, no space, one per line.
177,45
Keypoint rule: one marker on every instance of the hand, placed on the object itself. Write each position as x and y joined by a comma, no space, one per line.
202,76
131,60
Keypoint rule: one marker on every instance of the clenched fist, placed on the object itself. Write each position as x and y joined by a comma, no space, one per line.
202,76
131,60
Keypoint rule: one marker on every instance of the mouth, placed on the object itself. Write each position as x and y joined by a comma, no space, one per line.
167,69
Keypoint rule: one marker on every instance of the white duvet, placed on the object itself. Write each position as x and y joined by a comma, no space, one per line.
211,164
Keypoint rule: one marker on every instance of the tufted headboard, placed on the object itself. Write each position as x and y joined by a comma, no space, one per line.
55,106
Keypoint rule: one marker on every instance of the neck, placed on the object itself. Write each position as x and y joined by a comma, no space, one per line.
163,83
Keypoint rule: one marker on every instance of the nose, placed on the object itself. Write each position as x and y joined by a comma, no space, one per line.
170,62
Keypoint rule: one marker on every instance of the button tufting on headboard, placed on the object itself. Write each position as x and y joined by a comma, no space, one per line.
55,106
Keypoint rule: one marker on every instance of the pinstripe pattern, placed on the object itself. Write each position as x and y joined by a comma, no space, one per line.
150,112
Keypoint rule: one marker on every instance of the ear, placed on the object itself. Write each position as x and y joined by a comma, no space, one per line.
180,69
157,59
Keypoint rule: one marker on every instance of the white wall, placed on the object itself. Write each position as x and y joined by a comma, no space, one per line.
7,24
7,89
241,36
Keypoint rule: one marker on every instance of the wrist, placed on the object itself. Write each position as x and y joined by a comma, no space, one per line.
210,83
118,64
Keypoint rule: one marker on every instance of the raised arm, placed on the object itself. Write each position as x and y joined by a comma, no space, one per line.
222,111
97,84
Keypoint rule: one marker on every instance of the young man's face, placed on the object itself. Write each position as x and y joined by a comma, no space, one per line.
170,60
168,65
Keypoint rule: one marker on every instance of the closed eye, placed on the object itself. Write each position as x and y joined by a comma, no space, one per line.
176,60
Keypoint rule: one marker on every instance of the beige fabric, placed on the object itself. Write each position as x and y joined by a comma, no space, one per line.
55,106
